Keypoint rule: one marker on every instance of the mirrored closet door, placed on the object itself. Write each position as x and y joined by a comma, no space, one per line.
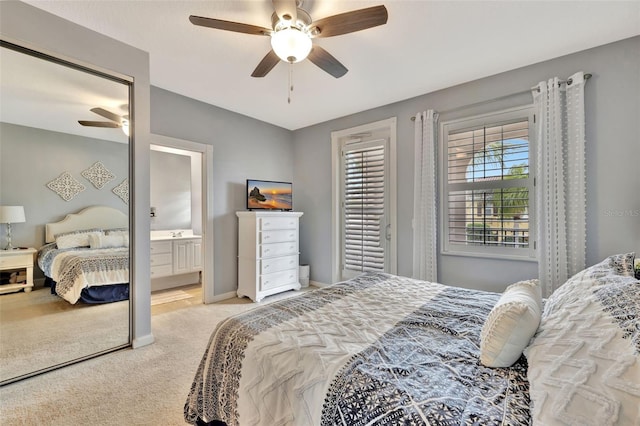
64,206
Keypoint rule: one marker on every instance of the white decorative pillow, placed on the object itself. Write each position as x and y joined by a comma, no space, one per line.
117,231
76,239
584,361
108,241
511,324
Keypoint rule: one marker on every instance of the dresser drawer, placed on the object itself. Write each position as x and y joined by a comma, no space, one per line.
268,223
278,279
278,236
161,259
161,271
278,264
160,247
278,249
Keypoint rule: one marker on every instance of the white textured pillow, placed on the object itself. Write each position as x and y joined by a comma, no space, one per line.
108,241
584,361
511,324
75,239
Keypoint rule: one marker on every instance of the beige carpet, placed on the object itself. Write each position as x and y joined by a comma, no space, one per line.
146,386
39,329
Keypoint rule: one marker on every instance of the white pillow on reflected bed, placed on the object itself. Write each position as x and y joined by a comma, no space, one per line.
98,241
76,239
511,324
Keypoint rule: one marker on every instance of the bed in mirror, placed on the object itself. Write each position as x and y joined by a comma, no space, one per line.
64,159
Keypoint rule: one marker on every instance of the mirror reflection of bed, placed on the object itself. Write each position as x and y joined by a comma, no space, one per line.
41,140
83,308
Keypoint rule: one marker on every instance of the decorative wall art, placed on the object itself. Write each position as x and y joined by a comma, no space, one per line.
66,186
122,191
98,175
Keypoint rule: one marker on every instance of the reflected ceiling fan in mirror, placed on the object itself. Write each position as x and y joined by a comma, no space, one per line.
292,31
116,121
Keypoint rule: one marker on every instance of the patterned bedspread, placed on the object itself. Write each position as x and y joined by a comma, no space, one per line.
78,268
375,350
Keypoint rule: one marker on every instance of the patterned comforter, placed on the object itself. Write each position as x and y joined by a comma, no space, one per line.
78,268
375,350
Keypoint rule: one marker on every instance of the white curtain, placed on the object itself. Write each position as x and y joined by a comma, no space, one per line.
424,198
561,187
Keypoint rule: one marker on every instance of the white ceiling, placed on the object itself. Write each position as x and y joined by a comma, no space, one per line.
425,46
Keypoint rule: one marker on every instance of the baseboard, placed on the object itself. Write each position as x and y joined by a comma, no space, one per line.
318,284
142,341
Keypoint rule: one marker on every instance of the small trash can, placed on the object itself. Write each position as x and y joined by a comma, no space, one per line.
303,275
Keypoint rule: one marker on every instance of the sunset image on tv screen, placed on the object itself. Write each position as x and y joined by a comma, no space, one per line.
269,195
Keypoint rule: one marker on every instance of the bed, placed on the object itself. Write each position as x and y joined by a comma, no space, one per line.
386,350
86,256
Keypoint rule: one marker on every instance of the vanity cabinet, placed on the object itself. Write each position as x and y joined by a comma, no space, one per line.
187,256
267,253
161,259
175,256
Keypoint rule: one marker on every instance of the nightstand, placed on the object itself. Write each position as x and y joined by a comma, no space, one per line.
16,265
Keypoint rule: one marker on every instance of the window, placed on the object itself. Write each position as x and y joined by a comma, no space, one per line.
488,187
363,203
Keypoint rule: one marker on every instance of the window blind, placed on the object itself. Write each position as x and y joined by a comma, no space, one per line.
488,185
364,208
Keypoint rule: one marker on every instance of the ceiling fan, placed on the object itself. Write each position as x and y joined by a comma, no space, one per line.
292,31
116,121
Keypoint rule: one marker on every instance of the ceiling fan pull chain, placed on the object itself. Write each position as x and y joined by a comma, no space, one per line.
290,82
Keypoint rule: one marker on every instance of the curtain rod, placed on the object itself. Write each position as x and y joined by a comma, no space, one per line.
568,82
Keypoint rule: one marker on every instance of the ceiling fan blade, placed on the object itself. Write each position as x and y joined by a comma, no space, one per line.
107,114
237,27
266,64
350,22
99,123
328,63
286,9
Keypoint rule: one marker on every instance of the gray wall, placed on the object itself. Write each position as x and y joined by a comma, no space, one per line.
243,148
612,99
46,155
26,25
170,185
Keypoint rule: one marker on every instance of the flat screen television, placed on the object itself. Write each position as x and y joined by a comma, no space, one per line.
269,195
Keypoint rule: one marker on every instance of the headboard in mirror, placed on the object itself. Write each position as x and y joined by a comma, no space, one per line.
101,217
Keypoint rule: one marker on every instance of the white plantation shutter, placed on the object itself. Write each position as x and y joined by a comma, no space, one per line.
488,189
364,200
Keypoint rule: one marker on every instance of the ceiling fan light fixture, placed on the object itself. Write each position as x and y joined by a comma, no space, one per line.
125,126
291,44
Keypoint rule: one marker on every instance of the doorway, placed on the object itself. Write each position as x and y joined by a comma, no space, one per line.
193,217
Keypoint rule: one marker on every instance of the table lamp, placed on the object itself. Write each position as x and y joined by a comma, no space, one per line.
9,215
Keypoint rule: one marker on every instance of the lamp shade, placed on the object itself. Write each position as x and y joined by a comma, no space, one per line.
12,214
291,44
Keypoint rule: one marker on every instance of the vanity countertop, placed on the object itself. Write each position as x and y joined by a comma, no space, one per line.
178,234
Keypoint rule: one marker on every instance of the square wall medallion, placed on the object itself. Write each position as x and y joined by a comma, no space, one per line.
66,186
98,175
122,191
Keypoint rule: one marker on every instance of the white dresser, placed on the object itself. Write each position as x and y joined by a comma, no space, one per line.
267,253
